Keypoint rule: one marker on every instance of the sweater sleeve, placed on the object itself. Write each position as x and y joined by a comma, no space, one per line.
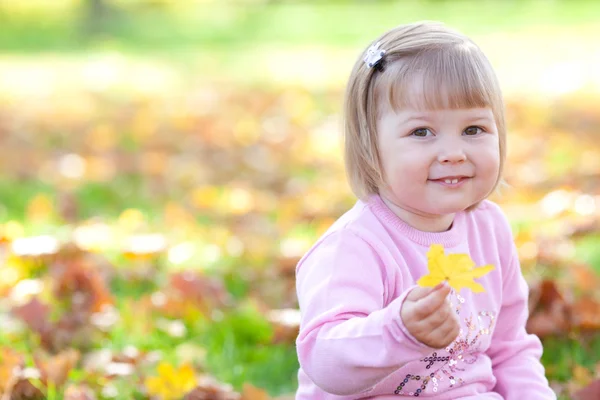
515,354
349,340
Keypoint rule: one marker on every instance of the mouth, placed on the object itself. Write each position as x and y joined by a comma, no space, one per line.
451,180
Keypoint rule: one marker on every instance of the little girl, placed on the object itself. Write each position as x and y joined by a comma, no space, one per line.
425,143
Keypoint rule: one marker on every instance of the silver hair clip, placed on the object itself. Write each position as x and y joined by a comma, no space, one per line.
374,56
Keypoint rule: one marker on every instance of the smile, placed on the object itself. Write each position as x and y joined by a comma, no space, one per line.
451,181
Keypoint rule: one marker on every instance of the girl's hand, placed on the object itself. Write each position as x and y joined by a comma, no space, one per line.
428,316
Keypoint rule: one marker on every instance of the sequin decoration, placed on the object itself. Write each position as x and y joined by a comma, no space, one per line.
464,350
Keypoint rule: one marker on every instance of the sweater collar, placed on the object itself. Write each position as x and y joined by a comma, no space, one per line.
449,238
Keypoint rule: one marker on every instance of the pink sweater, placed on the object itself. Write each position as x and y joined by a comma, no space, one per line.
352,342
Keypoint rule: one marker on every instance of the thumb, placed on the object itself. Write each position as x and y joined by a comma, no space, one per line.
420,292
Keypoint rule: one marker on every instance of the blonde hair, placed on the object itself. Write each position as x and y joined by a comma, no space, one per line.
454,72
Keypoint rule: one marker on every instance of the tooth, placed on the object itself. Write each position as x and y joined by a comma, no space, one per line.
448,181
455,181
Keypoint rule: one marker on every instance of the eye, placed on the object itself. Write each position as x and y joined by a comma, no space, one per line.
421,132
473,131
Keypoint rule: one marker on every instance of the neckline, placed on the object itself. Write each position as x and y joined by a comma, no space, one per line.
449,238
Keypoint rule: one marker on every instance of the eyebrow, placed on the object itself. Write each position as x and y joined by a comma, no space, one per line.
482,119
416,118
419,117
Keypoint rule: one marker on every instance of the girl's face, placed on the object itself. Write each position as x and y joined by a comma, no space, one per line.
437,162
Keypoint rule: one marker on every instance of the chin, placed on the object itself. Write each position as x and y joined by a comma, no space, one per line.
449,208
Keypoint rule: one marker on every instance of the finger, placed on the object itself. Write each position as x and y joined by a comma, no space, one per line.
449,317
444,334
421,292
429,304
437,319
418,293
449,331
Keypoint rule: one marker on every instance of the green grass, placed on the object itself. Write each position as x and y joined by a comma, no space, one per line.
93,199
234,346
201,26
561,355
238,351
589,251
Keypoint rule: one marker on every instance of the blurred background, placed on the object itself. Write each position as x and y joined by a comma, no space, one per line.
164,164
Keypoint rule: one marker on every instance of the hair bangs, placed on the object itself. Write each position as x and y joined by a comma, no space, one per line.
453,77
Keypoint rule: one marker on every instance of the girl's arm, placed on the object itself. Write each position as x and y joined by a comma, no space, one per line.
515,354
349,340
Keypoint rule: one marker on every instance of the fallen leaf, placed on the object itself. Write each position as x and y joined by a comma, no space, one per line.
205,292
584,278
171,383
250,392
210,389
10,361
457,269
35,314
548,294
78,278
25,390
586,314
590,392
56,368
550,313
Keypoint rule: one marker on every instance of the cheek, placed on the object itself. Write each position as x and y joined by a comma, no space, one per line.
405,165
487,158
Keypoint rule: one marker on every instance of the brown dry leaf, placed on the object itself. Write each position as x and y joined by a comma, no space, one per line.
35,314
549,310
73,329
287,266
56,368
546,323
586,314
210,389
250,392
590,392
78,276
206,292
584,277
25,390
550,294
9,360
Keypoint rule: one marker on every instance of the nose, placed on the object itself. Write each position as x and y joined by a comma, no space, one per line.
452,152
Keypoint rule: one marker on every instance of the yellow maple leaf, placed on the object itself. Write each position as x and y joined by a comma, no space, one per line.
171,384
457,269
